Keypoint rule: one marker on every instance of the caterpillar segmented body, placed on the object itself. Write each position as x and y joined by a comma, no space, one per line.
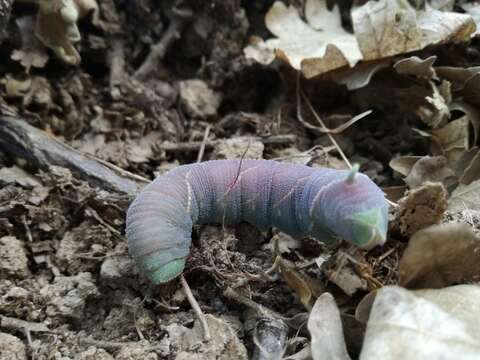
299,200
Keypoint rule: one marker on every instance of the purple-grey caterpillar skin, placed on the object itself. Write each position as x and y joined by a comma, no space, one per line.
301,201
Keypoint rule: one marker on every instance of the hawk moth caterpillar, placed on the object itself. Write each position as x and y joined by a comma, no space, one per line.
299,200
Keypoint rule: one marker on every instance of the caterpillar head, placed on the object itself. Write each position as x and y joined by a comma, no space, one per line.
354,208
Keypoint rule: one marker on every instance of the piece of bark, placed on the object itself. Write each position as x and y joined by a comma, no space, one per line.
21,140
5,10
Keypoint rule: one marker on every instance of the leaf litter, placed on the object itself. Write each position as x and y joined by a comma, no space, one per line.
139,88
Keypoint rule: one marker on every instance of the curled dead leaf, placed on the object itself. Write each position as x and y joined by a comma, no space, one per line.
471,113
307,288
429,168
414,66
423,324
325,326
465,82
56,25
362,312
441,255
394,193
435,112
404,164
458,160
465,197
472,171
32,53
454,135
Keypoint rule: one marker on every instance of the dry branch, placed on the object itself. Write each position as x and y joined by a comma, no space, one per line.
21,140
192,146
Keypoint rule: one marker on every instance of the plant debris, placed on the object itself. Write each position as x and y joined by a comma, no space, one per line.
97,97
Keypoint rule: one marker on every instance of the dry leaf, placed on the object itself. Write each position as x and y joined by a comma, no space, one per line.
325,326
391,27
284,242
386,28
473,9
420,68
435,112
426,324
404,164
362,312
57,27
307,288
381,29
458,160
472,171
359,76
32,54
394,193
441,255
428,168
465,197
422,207
465,82
471,113
453,135
315,47
347,280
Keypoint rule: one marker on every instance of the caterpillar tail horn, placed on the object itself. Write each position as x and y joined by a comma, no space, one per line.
352,174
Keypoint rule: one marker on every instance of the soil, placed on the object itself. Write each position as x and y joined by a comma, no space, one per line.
68,288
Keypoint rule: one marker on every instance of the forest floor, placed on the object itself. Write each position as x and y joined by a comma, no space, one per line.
91,111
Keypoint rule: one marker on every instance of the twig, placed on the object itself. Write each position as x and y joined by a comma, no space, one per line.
239,170
107,345
259,309
323,129
179,19
22,325
116,58
39,149
204,143
27,228
191,146
299,115
186,288
137,328
320,121
196,308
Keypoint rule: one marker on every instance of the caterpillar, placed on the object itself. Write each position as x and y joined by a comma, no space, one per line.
324,203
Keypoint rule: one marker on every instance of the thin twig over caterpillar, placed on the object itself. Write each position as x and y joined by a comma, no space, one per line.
299,200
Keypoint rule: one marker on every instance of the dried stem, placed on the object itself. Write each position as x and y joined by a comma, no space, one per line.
323,128
191,146
320,121
179,19
201,151
196,308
